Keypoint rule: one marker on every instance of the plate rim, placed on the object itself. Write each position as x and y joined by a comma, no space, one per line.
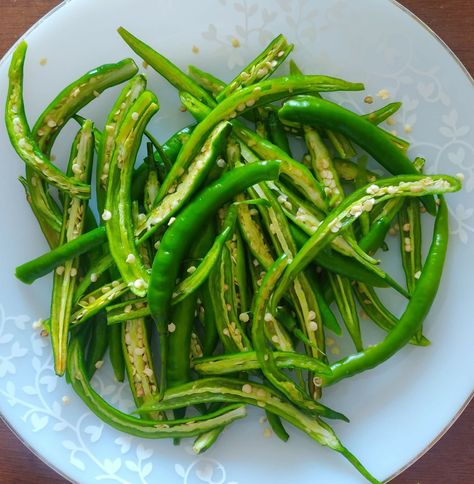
460,411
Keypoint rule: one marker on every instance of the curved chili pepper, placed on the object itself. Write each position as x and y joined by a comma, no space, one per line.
97,345
320,112
233,390
362,200
21,138
264,354
118,213
181,233
414,314
149,429
378,313
243,100
125,100
259,68
50,123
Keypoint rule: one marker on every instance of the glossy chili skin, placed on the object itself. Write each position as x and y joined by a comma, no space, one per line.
320,112
165,67
415,312
178,238
44,264
178,367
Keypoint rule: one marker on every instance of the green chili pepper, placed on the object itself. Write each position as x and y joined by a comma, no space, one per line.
327,316
277,133
228,323
375,237
259,68
323,166
360,181
98,345
232,390
65,277
277,426
126,99
343,295
409,222
414,314
252,233
382,114
333,261
44,264
362,200
21,138
138,361
166,68
95,275
247,361
162,160
265,356
114,335
178,238
188,183
208,319
90,304
178,368
311,110
118,213
348,171
135,309
205,441
150,429
199,274
243,100
239,272
97,134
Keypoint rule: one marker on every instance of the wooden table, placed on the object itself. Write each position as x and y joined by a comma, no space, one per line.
450,461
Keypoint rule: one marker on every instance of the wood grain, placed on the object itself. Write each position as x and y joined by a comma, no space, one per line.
451,460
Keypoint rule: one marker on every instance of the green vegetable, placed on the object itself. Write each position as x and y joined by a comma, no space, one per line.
234,249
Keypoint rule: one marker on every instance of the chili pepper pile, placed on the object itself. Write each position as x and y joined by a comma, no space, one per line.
223,244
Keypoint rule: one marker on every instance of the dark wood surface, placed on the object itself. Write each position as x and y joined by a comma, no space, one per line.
451,460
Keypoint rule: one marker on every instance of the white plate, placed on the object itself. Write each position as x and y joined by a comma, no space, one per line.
396,410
